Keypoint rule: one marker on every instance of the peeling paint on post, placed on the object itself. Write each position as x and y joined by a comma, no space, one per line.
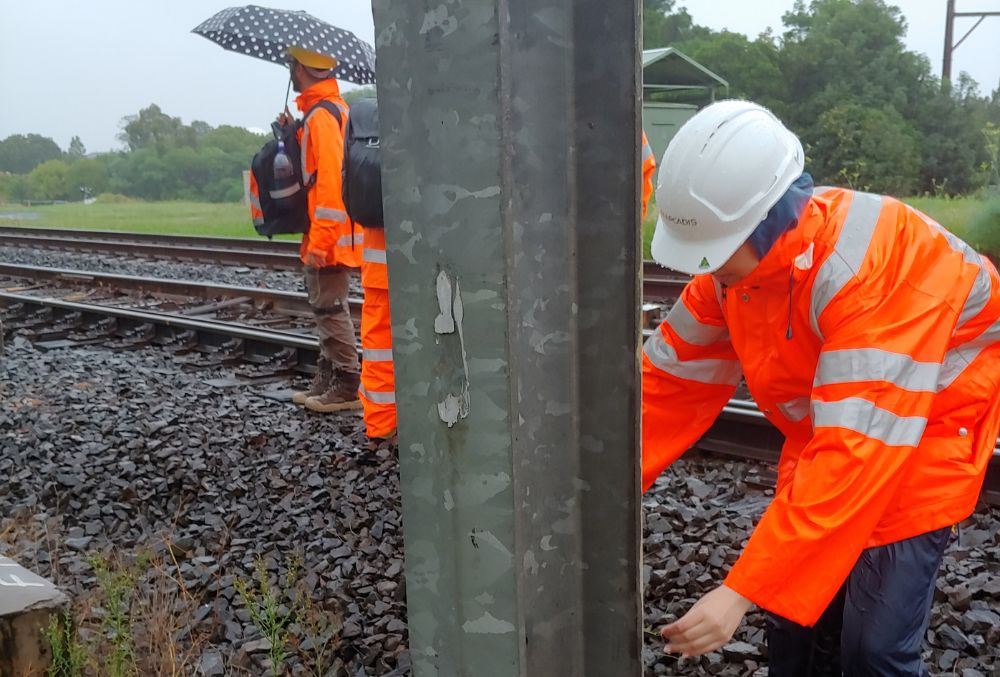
510,137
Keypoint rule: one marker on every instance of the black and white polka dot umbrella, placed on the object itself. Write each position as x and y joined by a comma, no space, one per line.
267,33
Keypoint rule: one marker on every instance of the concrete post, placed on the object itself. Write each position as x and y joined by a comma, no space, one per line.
510,136
26,602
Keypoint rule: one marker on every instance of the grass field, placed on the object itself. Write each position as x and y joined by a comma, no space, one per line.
180,218
233,220
952,213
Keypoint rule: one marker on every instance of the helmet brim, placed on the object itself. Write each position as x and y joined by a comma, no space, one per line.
694,257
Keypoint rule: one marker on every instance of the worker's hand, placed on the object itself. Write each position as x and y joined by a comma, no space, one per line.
708,625
315,258
285,118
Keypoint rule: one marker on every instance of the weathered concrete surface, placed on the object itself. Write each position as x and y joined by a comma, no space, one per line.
26,602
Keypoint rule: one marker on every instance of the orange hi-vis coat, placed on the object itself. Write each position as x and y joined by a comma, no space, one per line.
332,235
648,171
870,337
254,197
378,388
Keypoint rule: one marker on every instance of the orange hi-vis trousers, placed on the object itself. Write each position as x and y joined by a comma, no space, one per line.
378,387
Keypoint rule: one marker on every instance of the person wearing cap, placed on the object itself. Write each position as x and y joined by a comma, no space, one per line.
869,336
332,246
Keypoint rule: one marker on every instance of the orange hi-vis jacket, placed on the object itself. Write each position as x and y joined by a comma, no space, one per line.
256,214
332,235
870,337
648,171
378,391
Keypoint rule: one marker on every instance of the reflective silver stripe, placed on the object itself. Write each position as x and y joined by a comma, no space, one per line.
377,354
664,357
331,214
873,364
848,253
255,200
349,241
957,359
795,410
863,417
691,330
373,255
819,190
258,221
979,295
379,397
307,177
647,152
285,192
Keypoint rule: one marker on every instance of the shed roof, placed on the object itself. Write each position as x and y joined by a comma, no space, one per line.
667,68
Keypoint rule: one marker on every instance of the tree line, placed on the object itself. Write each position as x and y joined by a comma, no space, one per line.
162,159
870,113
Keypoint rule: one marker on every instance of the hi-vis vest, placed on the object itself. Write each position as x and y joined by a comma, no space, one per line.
870,336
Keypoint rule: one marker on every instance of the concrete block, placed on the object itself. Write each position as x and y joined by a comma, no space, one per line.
26,603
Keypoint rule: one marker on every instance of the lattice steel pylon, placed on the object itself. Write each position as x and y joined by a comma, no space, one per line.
949,36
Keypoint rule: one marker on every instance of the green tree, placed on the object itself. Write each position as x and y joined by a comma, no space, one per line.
848,50
663,27
13,187
238,140
142,174
76,148
86,173
47,181
152,128
200,128
956,157
359,93
20,153
751,67
870,149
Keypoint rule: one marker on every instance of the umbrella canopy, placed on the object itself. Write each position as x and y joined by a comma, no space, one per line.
267,33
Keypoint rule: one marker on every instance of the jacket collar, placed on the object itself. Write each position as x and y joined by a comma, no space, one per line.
775,266
324,89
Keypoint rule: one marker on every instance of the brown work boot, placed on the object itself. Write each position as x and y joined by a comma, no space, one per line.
320,383
341,395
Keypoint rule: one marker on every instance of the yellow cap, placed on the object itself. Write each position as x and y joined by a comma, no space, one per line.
311,59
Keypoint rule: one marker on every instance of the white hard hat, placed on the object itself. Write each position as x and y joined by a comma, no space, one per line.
722,172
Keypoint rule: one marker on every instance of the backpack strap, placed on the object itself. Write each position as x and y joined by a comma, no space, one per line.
337,112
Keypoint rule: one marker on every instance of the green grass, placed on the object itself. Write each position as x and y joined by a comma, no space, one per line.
233,220
179,218
954,213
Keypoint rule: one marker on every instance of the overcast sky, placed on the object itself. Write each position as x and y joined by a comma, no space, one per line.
69,67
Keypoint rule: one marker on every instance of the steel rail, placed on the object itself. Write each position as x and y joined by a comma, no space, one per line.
286,302
163,249
659,282
241,243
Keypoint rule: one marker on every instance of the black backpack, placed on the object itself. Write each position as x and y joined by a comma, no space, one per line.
362,172
285,208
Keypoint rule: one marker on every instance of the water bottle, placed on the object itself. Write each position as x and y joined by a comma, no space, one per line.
284,173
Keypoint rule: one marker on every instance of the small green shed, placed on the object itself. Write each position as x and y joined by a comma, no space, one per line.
674,87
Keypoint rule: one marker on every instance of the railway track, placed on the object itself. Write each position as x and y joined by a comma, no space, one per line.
183,316
659,284
279,255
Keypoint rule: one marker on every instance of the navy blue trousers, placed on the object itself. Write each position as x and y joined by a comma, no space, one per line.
876,624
